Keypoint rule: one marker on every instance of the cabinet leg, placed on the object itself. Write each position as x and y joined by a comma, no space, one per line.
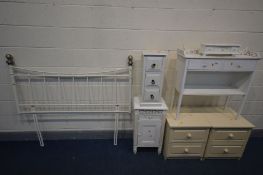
135,150
179,104
159,150
227,102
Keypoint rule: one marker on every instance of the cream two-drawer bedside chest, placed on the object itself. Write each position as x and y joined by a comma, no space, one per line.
186,136
228,136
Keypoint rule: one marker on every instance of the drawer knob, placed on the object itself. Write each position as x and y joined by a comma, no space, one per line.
153,82
186,150
238,66
231,136
204,66
152,96
226,150
189,135
153,65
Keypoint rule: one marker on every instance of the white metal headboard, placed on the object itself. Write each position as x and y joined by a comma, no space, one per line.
72,90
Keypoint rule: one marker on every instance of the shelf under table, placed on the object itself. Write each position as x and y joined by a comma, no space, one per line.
217,92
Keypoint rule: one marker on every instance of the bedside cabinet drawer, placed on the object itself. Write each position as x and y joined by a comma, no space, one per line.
185,149
224,151
150,115
229,134
151,94
153,63
227,142
240,65
212,65
188,135
152,79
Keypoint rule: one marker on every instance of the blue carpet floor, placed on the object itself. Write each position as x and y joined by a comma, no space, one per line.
100,157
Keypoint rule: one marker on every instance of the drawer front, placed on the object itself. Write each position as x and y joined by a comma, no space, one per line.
225,150
151,112
152,79
186,149
153,63
227,142
150,115
200,64
151,94
230,134
188,135
240,65
149,133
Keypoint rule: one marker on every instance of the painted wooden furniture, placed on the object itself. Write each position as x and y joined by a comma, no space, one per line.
206,133
148,125
214,75
228,137
185,137
152,77
150,109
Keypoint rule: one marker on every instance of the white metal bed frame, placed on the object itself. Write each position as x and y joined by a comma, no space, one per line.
44,92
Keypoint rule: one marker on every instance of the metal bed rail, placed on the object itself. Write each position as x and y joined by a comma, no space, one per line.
47,92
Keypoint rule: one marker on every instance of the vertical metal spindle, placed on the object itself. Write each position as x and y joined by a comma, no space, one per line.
29,90
244,97
60,91
226,103
13,82
116,92
116,123
46,92
116,127
73,93
88,89
39,134
130,88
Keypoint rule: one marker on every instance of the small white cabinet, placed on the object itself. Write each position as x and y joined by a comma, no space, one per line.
148,125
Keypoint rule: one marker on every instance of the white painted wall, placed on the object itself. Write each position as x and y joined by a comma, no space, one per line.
99,33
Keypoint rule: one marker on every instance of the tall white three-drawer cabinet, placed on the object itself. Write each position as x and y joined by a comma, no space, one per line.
150,108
